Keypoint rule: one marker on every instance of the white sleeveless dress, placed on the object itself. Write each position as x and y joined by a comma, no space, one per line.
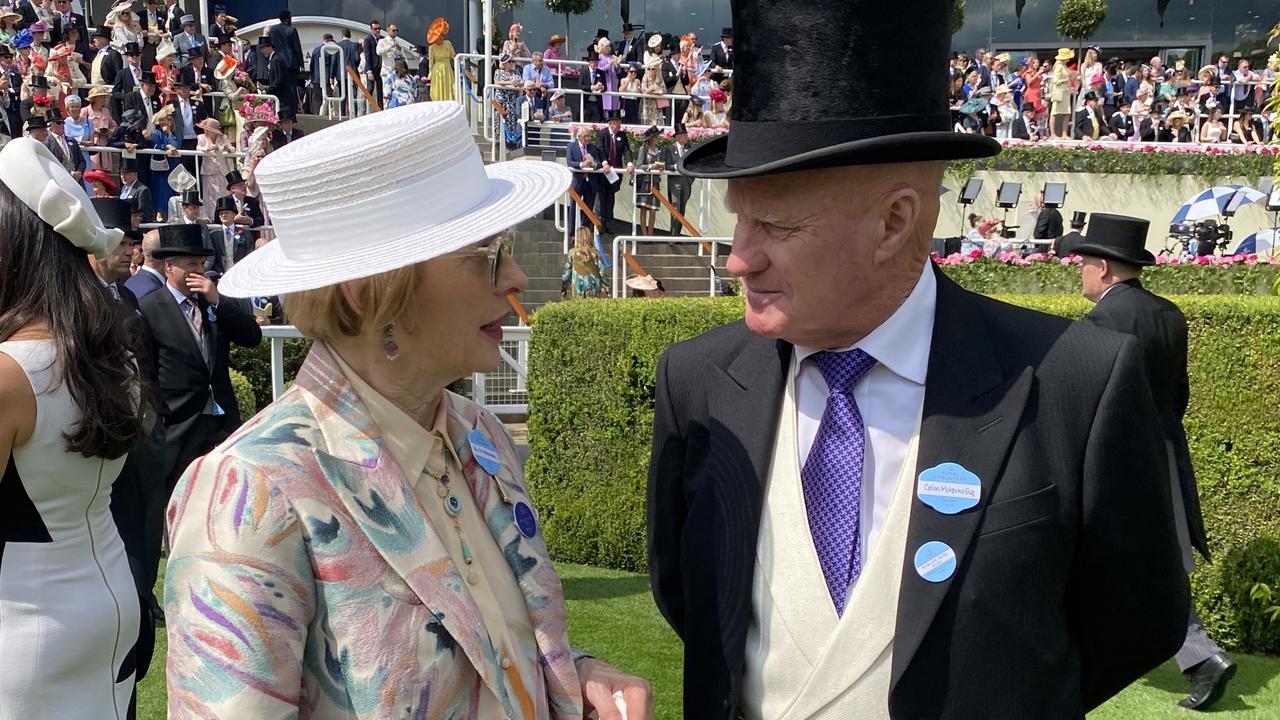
68,607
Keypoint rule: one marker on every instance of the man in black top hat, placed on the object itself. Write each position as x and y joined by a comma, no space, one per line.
882,494
187,112
1090,123
1066,244
63,20
248,211
1024,126
11,91
679,187
106,61
127,79
65,149
1048,220
632,51
194,327
722,55
275,74
132,188
39,103
287,43
200,77
1114,254
144,99
231,242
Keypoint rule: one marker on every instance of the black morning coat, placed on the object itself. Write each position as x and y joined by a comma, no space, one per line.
1161,330
1069,583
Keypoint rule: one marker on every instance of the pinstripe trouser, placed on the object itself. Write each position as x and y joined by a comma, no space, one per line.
1198,646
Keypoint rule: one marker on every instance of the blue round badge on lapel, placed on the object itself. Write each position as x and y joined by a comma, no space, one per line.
483,450
525,520
949,488
935,561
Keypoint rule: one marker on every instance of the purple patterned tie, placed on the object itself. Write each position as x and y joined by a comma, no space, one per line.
832,474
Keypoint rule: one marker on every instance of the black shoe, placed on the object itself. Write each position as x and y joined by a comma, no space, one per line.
1208,681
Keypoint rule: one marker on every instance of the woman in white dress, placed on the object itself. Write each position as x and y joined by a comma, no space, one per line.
69,613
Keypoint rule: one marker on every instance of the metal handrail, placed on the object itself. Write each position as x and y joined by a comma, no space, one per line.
621,241
278,334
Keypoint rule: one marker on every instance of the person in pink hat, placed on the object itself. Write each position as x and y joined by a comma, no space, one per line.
217,161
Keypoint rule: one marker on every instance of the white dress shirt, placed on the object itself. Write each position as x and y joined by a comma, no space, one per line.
890,397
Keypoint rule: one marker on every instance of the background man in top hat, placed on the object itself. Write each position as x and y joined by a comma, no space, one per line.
189,41
1090,123
275,74
632,50
1048,220
230,241
127,79
285,39
144,100
107,63
63,19
722,55
881,494
1114,254
134,189
194,327
11,94
1065,245
615,146
679,187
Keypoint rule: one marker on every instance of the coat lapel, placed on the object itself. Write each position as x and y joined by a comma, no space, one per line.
181,325
375,492
745,399
972,407
529,560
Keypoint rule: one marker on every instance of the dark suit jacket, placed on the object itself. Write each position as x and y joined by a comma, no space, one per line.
197,114
621,151
721,57
111,65
286,43
1084,128
173,19
143,283
1161,330
254,211
184,378
1066,244
143,195
583,182
77,163
1048,224
372,60
277,77
28,13
634,53
1019,130
1069,583
350,52
242,245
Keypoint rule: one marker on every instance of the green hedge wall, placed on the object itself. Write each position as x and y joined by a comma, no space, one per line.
255,365
992,277
591,373
1047,158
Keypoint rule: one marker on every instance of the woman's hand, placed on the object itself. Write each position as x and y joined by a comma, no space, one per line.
601,680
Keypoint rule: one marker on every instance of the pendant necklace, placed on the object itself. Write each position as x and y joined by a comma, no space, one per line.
453,508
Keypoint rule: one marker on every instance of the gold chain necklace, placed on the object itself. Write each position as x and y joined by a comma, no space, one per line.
453,508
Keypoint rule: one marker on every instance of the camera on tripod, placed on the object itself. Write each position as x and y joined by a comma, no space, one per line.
1210,236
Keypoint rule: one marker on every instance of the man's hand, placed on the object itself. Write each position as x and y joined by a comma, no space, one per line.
197,282
601,680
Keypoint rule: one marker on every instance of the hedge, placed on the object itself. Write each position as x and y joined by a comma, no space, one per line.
1138,159
1053,278
255,365
591,374
246,403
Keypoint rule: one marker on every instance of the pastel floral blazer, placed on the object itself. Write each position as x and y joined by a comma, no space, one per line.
305,582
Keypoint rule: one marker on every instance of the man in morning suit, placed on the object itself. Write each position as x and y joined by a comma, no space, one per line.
194,327
137,503
189,41
249,211
230,241
882,495
63,19
1066,244
133,189
1114,254
580,154
1048,220
615,145
285,39
679,187
276,74
722,55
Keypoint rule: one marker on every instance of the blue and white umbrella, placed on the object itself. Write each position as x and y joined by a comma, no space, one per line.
1263,241
1211,202
943,190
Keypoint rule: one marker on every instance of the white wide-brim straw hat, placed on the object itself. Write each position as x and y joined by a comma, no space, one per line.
413,187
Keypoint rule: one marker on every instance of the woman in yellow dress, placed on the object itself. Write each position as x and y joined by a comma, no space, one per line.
440,56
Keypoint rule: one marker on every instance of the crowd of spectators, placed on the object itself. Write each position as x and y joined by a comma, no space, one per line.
146,108
1060,97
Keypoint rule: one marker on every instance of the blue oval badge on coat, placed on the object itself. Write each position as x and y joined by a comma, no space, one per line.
949,488
483,450
935,561
525,520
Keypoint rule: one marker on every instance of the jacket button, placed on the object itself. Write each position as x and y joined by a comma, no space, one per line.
505,662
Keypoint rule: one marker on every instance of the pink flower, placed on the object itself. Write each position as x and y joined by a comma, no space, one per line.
975,254
1037,257
1251,259
1204,260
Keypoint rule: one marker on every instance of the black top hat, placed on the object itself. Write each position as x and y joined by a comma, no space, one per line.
197,51
55,116
114,214
264,41
132,48
628,27
1091,95
183,239
841,113
35,122
129,165
681,129
191,197
1117,237
226,202
726,32
1028,107
5,51
601,33
102,32
39,81
234,177
1078,217
287,114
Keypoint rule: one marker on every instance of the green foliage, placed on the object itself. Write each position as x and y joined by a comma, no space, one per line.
255,364
1079,19
569,7
957,16
592,367
245,400
1049,278
1047,158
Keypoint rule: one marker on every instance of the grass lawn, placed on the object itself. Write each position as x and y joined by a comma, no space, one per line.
611,614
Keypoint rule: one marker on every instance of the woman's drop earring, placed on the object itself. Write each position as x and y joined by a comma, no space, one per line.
389,345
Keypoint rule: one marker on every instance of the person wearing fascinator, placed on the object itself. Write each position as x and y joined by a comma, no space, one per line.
366,547
71,397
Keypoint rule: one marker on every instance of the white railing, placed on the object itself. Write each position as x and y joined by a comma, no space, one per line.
630,243
502,391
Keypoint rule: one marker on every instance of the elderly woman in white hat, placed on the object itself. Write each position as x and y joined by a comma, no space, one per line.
365,547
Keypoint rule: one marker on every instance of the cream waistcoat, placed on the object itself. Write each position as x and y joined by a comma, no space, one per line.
802,661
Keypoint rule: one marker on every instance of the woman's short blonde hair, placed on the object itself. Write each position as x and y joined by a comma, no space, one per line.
583,238
325,313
